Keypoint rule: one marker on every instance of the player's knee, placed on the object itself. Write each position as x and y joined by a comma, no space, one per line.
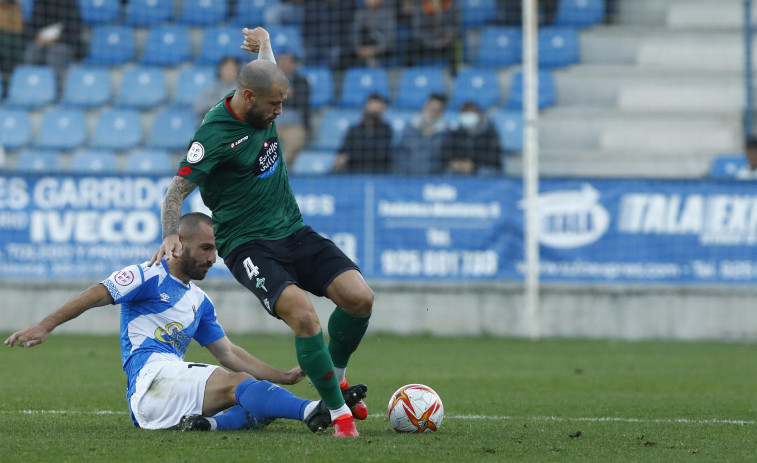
234,379
361,301
304,322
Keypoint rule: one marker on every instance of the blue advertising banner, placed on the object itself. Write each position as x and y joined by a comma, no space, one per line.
414,229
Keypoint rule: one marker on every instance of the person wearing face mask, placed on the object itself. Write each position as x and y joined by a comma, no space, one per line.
419,149
367,146
473,147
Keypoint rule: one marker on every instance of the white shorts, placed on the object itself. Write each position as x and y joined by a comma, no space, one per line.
168,389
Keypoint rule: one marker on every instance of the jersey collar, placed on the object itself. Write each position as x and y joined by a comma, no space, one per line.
228,106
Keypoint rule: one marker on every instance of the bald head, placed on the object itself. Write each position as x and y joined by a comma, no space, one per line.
260,76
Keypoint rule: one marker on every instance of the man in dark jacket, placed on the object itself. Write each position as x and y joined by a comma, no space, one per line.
294,122
473,147
367,146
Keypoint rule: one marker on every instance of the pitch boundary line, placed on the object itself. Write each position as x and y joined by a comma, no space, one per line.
456,417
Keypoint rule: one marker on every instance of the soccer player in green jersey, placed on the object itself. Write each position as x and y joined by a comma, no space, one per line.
235,159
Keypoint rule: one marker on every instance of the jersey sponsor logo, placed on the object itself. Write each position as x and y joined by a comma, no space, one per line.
186,170
196,153
268,158
234,144
173,335
124,277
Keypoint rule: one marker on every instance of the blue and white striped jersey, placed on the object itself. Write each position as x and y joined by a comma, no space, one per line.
159,313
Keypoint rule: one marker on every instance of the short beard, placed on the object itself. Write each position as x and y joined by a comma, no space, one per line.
253,118
190,267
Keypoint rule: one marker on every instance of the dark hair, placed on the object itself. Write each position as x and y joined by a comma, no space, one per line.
223,61
440,97
377,96
470,105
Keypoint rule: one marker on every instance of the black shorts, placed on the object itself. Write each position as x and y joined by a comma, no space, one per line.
304,258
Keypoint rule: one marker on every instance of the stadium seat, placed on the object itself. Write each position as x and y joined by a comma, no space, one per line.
509,124
31,87
148,161
286,38
99,11
87,87
250,12
499,47
358,83
148,12
191,83
111,45
321,81
416,84
172,129
730,167
40,161
333,127
62,129
94,161
313,162
398,119
579,13
202,12
480,86
15,129
477,12
220,42
547,90
558,46
142,88
117,129
167,45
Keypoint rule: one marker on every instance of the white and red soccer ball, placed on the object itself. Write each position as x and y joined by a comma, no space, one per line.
415,408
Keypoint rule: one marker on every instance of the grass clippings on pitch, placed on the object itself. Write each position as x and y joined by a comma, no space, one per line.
504,400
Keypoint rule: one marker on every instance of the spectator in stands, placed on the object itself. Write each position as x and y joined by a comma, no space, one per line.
285,12
325,31
293,124
373,34
226,75
435,34
473,146
419,149
12,40
510,12
55,35
367,146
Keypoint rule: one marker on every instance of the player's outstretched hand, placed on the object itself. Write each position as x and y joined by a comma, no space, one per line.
170,248
28,337
253,38
293,376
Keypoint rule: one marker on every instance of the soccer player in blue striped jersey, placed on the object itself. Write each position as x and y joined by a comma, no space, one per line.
161,312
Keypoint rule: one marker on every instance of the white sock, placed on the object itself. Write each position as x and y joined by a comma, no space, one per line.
343,410
213,424
309,409
340,373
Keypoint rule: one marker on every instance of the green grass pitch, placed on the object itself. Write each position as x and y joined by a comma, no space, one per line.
504,399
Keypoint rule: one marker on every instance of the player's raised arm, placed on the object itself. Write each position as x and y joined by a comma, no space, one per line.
95,296
235,358
170,216
258,41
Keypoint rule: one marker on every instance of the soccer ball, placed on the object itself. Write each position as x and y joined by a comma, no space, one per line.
415,408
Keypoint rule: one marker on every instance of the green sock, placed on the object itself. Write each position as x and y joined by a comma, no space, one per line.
345,333
315,361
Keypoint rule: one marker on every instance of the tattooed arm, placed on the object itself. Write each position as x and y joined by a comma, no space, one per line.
258,41
170,215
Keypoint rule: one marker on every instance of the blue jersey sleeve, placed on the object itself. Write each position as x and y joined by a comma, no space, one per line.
208,329
127,284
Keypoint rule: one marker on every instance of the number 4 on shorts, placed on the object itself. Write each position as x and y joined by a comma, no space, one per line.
252,271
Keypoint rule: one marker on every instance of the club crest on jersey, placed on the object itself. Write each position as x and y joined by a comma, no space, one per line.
234,144
268,158
196,153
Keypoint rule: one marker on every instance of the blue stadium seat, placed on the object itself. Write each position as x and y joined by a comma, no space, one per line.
579,13
558,46
117,129
220,42
333,127
94,161
111,45
358,83
202,12
149,161
148,12
416,84
40,161
730,167
250,13
87,87
99,11
399,119
286,38
172,129
31,87
167,45
499,47
477,12
547,90
62,129
509,124
15,129
480,86
191,83
142,88
321,81
313,162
